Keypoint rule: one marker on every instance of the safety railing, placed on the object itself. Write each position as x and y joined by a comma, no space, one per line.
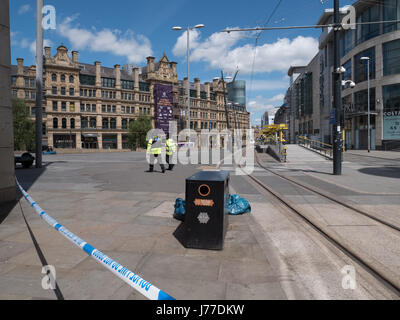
318,146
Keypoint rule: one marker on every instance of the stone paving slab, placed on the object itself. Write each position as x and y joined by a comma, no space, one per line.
127,214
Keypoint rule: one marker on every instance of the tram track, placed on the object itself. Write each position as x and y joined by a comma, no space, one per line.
370,264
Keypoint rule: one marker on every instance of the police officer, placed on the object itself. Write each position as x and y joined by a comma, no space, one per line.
154,149
170,148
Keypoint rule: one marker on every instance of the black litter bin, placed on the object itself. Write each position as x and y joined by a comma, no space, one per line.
206,217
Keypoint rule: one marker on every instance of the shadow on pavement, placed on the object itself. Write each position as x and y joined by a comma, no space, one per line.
26,177
389,171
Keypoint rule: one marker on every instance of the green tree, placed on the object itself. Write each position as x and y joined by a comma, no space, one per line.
137,132
24,128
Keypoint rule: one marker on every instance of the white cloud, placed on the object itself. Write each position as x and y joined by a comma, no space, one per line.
135,48
32,46
262,104
24,9
220,51
278,98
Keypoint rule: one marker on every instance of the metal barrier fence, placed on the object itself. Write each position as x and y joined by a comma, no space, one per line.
318,146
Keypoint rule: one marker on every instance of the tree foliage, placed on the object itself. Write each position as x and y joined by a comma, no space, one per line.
137,132
24,128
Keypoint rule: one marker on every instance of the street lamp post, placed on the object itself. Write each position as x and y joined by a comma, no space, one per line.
369,103
337,128
39,81
178,28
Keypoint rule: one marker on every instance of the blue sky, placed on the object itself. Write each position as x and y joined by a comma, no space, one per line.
121,31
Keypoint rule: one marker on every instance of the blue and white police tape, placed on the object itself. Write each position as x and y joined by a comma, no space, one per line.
134,280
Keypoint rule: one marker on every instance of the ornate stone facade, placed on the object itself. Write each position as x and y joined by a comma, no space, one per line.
88,106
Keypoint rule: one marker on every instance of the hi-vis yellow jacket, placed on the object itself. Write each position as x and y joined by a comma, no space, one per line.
170,147
152,149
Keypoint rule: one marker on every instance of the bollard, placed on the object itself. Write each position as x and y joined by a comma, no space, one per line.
206,217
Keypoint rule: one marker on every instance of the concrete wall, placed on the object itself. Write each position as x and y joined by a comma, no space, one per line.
7,183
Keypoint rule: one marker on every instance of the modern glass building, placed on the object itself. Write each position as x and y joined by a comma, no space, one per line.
380,43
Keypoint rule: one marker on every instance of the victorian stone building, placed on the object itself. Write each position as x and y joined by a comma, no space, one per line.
89,106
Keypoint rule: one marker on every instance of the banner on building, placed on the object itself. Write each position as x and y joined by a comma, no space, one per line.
163,106
391,125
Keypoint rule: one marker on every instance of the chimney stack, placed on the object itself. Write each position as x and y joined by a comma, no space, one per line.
20,67
75,56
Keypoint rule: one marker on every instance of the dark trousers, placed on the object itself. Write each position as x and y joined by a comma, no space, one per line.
152,160
170,165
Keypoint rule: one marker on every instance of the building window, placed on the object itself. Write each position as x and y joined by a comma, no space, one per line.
391,12
127,84
84,122
14,93
63,78
14,80
87,80
391,57
124,124
87,107
71,91
71,79
361,66
82,108
54,90
108,82
55,123
26,82
93,108
92,122
113,123
32,83
72,123
122,109
26,95
64,123
103,108
63,106
144,86
105,123
72,107
55,106
62,91
368,31
114,109
53,77
361,100
108,108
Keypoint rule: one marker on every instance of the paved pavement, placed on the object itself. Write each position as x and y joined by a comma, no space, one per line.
109,201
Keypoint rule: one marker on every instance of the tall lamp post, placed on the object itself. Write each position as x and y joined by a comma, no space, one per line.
337,127
39,81
178,28
369,103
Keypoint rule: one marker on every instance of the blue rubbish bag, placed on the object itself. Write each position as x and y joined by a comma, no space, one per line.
238,205
179,212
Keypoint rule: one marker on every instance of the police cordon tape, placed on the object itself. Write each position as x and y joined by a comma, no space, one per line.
134,280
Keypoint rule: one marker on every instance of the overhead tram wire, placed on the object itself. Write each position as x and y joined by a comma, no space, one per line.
306,27
256,43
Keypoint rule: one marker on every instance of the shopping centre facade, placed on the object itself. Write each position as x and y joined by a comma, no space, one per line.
377,44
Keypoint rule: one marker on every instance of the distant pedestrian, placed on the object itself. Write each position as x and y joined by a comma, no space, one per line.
170,149
154,149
